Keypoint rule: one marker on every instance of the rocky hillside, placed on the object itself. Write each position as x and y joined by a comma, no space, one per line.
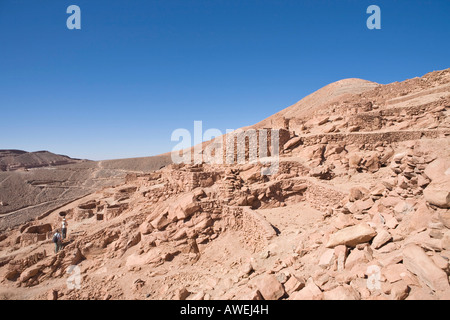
359,209
32,192
11,160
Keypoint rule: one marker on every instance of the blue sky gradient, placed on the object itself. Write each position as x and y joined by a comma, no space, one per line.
137,70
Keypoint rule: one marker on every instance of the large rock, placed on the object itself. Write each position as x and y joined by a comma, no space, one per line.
359,206
438,192
310,292
437,169
183,207
326,258
344,292
357,258
251,175
419,263
146,228
270,288
351,236
294,284
181,293
418,219
399,290
161,222
292,143
383,236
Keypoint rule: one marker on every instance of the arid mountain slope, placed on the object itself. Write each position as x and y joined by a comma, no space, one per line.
359,208
28,193
321,98
19,160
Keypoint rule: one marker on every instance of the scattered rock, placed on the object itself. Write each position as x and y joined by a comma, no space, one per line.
270,288
383,236
182,293
309,292
419,263
344,292
294,284
438,192
351,236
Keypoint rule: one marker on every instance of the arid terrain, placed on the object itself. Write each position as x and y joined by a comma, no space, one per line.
359,209
35,183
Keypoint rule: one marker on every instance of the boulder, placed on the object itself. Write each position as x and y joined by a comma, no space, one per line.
394,272
270,288
359,206
160,222
383,236
30,272
356,193
180,234
399,290
351,236
294,284
74,257
438,192
354,160
438,169
418,262
292,143
146,228
252,295
357,258
309,292
299,187
326,258
420,218
322,121
253,174
344,292
378,190
183,207
403,208
371,162
181,294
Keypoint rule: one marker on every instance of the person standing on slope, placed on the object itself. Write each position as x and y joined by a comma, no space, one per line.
57,241
64,228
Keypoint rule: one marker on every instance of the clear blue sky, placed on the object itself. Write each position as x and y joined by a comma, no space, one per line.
137,70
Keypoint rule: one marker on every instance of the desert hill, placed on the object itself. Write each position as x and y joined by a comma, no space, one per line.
36,183
18,159
317,100
358,209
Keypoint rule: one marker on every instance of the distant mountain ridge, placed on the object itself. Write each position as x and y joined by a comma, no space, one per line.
11,160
